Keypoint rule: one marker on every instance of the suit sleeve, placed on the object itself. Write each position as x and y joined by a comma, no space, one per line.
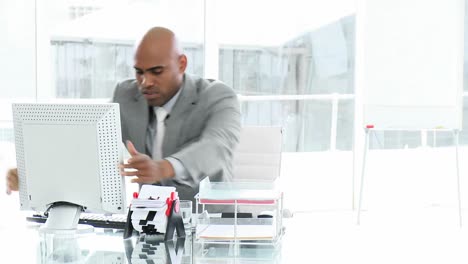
118,96
214,149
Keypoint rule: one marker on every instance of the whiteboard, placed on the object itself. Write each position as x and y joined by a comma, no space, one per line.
409,63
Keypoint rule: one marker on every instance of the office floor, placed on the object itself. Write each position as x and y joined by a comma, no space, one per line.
426,235
410,207
411,178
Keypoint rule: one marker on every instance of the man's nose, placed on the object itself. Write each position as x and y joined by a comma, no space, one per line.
146,80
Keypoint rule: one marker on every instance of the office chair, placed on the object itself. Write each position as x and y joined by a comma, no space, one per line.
258,154
257,158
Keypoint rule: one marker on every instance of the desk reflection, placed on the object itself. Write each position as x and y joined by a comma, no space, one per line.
236,253
153,249
91,249
110,247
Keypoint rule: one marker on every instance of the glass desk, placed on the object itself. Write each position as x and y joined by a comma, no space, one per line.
25,244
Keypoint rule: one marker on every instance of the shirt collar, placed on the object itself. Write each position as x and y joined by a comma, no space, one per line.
170,104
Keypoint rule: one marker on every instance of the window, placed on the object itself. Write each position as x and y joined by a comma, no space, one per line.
293,67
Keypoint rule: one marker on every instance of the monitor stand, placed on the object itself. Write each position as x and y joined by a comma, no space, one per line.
64,217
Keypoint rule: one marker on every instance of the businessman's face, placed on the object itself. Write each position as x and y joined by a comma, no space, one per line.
159,70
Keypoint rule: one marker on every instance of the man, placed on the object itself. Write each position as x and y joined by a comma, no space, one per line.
200,120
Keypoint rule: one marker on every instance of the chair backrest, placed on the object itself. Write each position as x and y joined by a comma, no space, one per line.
258,154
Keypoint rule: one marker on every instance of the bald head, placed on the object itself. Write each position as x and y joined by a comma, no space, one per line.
159,65
161,38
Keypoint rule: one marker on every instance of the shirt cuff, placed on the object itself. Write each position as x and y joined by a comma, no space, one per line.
181,174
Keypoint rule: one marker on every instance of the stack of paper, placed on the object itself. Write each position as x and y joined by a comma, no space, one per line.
240,232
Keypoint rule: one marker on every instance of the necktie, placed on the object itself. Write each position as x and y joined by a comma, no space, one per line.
150,132
160,127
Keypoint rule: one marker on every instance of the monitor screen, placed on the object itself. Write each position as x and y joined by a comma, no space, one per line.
69,154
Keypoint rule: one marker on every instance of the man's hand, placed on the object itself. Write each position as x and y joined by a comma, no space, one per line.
147,170
12,180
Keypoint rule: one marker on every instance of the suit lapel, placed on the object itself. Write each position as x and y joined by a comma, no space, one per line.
140,115
185,103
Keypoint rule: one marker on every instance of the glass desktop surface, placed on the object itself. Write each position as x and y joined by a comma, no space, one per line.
23,243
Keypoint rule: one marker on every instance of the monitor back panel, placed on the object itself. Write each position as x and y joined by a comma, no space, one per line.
69,152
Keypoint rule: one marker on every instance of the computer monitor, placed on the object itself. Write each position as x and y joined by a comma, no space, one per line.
67,157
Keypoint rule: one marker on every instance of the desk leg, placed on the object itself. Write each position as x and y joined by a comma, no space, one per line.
366,147
456,134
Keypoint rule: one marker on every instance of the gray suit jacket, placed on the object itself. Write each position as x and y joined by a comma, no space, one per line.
201,131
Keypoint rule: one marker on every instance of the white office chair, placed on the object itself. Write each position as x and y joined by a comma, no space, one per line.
257,158
258,154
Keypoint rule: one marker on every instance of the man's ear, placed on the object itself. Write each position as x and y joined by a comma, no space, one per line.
182,63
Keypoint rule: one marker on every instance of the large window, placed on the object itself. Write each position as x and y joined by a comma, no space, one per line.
292,65
86,48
